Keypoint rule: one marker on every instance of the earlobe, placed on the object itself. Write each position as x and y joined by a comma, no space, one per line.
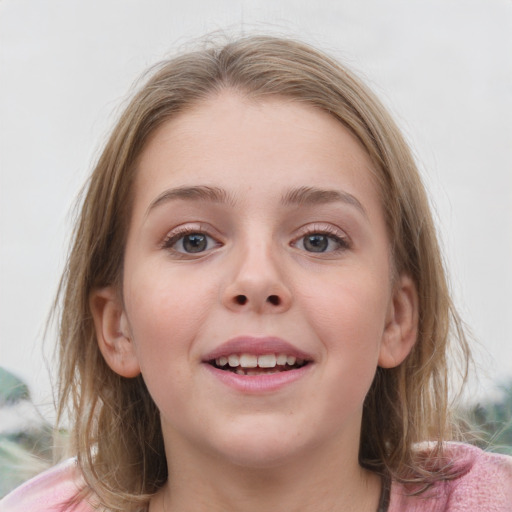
401,324
112,332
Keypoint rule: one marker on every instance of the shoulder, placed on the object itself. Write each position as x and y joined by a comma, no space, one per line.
51,491
484,483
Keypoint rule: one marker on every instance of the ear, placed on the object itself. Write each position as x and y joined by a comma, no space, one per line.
112,332
401,324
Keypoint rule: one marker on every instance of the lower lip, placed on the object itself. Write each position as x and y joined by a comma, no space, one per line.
256,384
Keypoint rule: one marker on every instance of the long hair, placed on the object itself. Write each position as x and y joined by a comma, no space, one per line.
116,430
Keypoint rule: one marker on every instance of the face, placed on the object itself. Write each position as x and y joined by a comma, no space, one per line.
257,297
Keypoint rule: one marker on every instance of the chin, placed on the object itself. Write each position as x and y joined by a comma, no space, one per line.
261,447
257,458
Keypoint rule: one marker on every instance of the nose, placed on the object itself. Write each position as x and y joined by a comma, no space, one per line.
257,284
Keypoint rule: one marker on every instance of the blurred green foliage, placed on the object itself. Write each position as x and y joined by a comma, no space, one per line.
12,389
491,422
25,444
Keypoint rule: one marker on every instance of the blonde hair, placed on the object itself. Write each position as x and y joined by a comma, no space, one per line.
116,431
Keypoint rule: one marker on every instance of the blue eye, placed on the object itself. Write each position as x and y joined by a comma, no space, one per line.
316,243
190,243
321,242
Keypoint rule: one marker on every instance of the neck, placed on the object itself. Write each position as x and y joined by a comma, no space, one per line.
325,480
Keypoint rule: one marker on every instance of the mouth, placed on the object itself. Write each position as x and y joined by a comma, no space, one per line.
258,364
257,356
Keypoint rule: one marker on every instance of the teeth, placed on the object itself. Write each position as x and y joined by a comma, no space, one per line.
248,361
253,361
281,359
233,360
267,361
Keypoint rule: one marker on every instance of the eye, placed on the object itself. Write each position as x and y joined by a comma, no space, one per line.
190,242
321,242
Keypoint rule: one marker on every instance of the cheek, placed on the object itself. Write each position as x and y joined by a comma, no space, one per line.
349,316
350,328
352,300
165,312
165,315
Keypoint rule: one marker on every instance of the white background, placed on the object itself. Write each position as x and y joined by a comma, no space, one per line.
443,67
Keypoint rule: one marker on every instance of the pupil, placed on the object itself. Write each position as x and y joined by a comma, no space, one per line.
195,242
316,243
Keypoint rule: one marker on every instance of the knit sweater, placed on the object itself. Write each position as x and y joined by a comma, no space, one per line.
485,485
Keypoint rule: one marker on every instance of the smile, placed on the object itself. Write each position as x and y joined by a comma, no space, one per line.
258,364
252,364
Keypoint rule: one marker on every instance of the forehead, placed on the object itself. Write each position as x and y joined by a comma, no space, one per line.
242,144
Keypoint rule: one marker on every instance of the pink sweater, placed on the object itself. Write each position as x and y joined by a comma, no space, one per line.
486,486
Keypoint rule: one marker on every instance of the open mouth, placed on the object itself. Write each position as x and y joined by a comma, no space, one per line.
251,364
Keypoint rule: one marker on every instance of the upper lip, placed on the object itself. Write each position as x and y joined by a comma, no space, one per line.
258,346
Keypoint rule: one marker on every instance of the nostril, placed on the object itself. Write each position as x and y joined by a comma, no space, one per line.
241,299
274,300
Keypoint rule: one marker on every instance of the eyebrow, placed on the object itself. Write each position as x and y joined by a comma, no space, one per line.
301,196
313,196
196,193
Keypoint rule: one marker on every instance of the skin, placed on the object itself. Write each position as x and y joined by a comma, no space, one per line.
295,448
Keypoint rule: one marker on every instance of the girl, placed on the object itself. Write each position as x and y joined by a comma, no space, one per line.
255,314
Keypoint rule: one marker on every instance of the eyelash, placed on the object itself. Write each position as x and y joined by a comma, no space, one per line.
180,233
331,233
